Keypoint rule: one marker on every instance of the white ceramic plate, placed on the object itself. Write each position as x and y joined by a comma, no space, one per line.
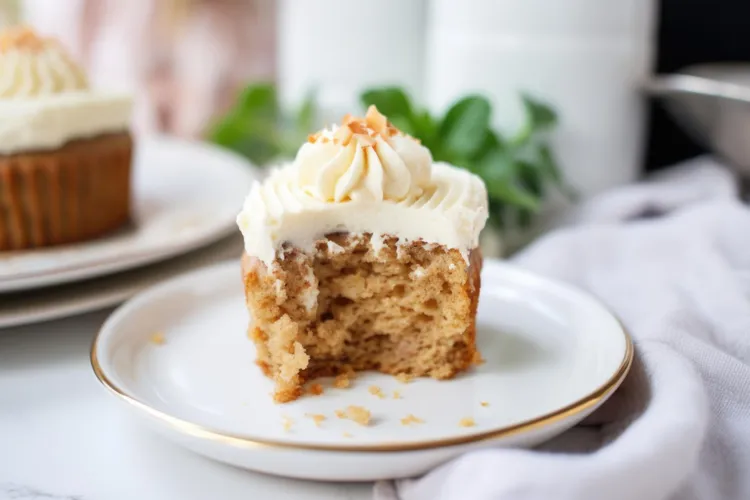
186,195
84,296
553,354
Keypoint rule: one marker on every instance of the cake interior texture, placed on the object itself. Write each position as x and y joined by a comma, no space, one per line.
349,305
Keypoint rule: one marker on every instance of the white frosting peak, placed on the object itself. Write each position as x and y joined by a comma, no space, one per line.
363,180
363,159
32,66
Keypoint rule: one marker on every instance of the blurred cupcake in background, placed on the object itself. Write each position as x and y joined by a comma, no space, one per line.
183,60
65,149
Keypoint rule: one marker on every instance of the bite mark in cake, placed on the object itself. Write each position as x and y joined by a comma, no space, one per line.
363,254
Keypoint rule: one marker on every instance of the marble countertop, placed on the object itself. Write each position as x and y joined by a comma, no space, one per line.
63,437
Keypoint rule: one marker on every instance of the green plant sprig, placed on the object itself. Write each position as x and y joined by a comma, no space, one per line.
518,170
257,128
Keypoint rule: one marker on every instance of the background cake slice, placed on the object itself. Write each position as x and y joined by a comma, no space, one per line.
363,255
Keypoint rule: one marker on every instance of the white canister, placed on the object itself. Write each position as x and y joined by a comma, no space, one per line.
584,57
340,48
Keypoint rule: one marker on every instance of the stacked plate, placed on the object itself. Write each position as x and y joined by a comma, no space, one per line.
186,197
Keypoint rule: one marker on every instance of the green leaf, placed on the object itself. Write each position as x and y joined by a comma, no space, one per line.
499,172
531,177
550,169
525,218
404,124
548,165
497,209
539,114
256,139
305,121
391,101
513,194
259,102
464,128
539,117
491,142
250,128
426,130
227,131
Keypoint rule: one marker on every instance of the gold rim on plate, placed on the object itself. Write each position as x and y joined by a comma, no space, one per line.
202,432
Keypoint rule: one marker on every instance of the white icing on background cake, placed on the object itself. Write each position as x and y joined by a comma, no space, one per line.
45,100
363,177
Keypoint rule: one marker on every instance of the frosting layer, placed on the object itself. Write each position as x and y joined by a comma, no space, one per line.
48,123
363,177
45,100
450,211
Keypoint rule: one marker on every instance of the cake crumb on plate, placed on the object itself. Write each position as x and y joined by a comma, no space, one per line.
287,423
358,414
342,381
376,391
396,395
411,419
403,378
340,413
467,422
347,435
484,403
316,417
478,360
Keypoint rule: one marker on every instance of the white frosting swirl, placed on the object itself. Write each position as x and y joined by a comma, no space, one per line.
31,66
363,159
304,200
45,100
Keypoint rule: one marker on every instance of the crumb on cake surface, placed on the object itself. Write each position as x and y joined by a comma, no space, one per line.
368,313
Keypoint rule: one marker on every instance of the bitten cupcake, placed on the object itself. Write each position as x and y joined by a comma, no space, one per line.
363,254
65,149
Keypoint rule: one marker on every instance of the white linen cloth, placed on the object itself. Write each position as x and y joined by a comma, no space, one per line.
679,427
